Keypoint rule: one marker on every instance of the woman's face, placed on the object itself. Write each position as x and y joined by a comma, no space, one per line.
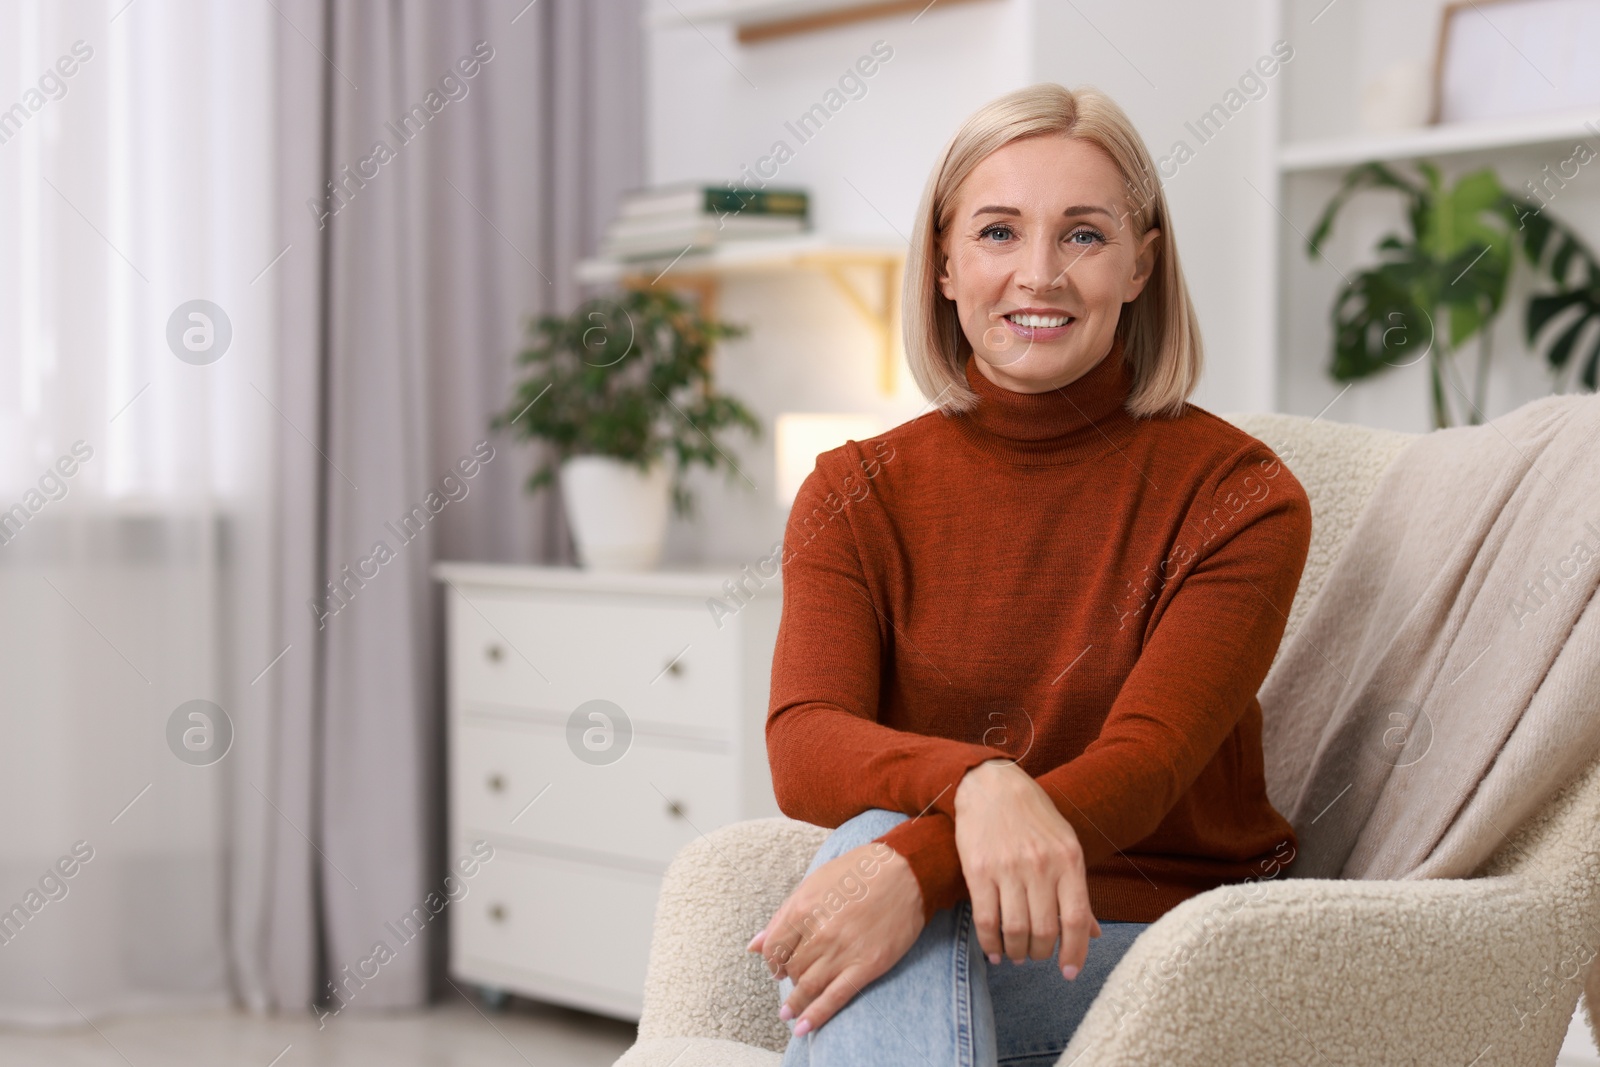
1039,258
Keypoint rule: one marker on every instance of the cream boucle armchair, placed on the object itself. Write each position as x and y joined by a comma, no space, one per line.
1476,971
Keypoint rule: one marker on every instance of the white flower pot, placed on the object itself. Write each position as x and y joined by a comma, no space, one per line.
618,513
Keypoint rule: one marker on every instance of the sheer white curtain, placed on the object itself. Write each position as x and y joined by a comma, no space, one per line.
196,375
135,485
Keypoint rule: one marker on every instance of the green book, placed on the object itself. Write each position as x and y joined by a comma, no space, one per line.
698,200
757,201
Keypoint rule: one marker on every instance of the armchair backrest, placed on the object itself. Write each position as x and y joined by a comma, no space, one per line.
1339,465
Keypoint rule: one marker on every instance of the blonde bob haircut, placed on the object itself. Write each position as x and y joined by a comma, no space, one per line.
1158,329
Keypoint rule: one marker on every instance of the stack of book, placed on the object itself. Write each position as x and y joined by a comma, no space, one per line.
667,221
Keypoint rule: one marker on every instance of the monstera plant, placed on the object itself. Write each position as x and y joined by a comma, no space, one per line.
1444,283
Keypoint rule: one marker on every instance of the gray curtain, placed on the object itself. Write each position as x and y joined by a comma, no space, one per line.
507,132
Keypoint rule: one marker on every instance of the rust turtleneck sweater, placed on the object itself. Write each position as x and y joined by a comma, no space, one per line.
1049,579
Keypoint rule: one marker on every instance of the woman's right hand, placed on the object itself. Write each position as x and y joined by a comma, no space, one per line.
1024,867
846,924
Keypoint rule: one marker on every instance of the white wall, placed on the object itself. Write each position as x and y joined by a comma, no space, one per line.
706,120
1166,63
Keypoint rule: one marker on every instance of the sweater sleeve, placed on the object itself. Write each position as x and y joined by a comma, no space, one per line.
1208,654
831,758
1203,663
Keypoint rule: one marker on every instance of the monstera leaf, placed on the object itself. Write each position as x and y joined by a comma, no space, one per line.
1376,321
1565,313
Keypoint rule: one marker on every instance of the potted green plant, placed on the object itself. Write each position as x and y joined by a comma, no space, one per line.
1444,283
621,391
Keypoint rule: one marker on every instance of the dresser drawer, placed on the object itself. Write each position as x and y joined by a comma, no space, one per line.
661,659
558,922
644,807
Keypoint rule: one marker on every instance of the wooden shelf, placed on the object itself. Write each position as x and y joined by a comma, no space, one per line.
703,271
1336,153
764,20
736,11
774,253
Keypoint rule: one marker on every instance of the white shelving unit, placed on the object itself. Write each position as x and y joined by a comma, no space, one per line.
1454,139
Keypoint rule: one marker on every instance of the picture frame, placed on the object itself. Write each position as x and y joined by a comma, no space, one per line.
1504,59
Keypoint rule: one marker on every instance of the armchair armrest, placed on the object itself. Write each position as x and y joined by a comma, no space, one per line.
717,893
1473,971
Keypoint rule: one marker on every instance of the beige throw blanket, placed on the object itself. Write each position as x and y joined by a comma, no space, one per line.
1446,680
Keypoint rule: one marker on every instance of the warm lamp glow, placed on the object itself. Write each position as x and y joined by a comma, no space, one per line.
802,437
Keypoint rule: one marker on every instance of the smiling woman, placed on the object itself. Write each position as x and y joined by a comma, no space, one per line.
989,574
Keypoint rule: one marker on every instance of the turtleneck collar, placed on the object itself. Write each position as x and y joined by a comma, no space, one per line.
1077,421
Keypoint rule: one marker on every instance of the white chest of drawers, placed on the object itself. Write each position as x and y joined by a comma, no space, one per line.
583,812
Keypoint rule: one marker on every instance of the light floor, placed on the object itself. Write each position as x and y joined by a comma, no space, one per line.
1578,1050
450,1035
523,1035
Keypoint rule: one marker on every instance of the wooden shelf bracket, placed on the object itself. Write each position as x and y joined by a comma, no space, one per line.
882,314
867,277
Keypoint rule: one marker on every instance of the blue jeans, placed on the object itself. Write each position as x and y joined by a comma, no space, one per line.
943,1003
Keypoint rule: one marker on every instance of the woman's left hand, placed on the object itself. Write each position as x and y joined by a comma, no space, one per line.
846,924
1024,867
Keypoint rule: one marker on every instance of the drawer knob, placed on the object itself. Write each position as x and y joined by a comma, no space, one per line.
675,668
497,783
677,810
495,653
497,912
